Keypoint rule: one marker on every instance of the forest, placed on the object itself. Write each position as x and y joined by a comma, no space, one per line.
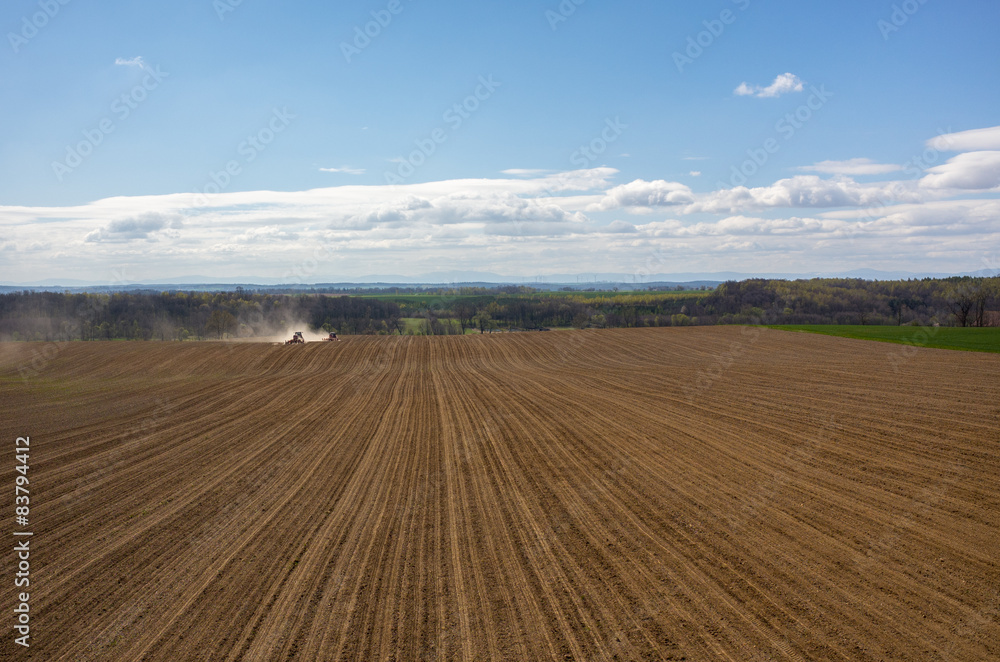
246,313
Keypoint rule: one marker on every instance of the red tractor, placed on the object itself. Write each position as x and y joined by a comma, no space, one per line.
297,339
333,337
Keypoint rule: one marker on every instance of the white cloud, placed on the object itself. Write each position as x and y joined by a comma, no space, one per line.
695,173
620,227
973,171
346,170
744,225
507,225
641,195
804,191
852,167
265,234
387,214
591,179
485,212
967,141
783,84
135,227
525,172
132,62
941,220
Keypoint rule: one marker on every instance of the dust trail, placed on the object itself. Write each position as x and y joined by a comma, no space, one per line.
278,335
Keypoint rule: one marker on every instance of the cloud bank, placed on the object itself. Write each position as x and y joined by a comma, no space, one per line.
531,221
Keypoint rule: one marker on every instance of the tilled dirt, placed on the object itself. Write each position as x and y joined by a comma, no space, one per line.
654,494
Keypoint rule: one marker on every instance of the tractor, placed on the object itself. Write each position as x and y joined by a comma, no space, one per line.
331,338
297,339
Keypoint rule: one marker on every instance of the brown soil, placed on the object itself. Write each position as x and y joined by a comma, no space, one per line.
662,494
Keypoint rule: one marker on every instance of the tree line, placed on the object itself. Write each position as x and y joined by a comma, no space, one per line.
138,315
957,301
183,315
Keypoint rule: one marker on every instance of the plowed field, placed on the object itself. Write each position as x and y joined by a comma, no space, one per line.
653,494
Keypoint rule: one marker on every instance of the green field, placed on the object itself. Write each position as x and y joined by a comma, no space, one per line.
968,339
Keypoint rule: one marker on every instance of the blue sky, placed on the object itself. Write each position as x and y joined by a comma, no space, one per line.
521,138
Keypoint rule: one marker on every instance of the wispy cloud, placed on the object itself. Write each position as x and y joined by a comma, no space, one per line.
344,170
783,84
136,61
524,172
967,141
852,167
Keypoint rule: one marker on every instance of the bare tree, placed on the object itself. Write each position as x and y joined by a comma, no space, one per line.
464,312
980,298
220,322
960,302
483,320
897,306
395,323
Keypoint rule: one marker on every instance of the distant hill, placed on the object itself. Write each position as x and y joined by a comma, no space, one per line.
466,278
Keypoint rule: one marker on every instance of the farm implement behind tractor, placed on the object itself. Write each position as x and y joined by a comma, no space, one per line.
299,338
